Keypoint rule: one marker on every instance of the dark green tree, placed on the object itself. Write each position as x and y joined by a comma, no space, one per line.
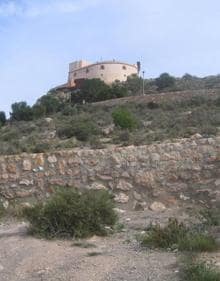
165,81
95,90
2,118
50,103
134,84
21,111
118,90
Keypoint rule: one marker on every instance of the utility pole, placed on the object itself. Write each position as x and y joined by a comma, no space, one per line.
143,83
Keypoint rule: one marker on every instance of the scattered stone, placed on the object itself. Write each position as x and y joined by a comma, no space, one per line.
196,136
27,165
157,207
183,197
217,182
97,186
48,120
52,159
5,204
137,196
139,206
108,130
119,211
124,185
121,198
25,205
12,168
26,182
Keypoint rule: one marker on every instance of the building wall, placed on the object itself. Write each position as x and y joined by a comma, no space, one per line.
109,72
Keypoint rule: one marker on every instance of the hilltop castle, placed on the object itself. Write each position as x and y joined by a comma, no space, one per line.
107,71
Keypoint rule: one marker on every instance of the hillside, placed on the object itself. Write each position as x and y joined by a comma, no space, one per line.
157,117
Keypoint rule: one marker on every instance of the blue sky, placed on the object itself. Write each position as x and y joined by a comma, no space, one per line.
38,38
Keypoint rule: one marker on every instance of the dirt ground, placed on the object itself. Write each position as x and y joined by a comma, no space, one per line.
114,258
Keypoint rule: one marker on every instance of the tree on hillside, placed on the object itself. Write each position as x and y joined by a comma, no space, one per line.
118,90
49,104
2,118
94,90
165,81
21,111
134,84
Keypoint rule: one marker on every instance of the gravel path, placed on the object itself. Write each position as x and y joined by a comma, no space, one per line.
24,258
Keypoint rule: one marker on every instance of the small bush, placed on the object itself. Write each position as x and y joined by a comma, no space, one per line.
176,235
165,237
69,213
197,243
124,119
2,210
81,129
211,217
200,271
217,102
152,105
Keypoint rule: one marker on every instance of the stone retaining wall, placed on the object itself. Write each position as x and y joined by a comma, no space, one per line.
185,170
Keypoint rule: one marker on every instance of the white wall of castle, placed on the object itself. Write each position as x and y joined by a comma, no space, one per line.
109,71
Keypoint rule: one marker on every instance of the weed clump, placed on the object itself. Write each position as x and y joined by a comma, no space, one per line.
69,213
200,271
2,210
176,235
211,217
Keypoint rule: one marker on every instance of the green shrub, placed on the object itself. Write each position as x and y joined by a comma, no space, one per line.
81,129
49,104
176,235
41,147
69,213
200,271
152,105
217,102
211,217
2,210
197,242
165,237
124,119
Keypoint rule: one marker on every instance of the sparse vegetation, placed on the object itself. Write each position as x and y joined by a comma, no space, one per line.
84,244
69,213
2,210
200,271
211,216
176,235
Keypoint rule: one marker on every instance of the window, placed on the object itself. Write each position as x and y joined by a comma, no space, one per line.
87,70
75,74
124,67
102,67
101,75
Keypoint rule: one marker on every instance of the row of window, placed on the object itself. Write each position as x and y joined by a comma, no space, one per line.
102,67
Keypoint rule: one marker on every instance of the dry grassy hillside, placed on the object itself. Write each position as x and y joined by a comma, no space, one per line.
155,118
